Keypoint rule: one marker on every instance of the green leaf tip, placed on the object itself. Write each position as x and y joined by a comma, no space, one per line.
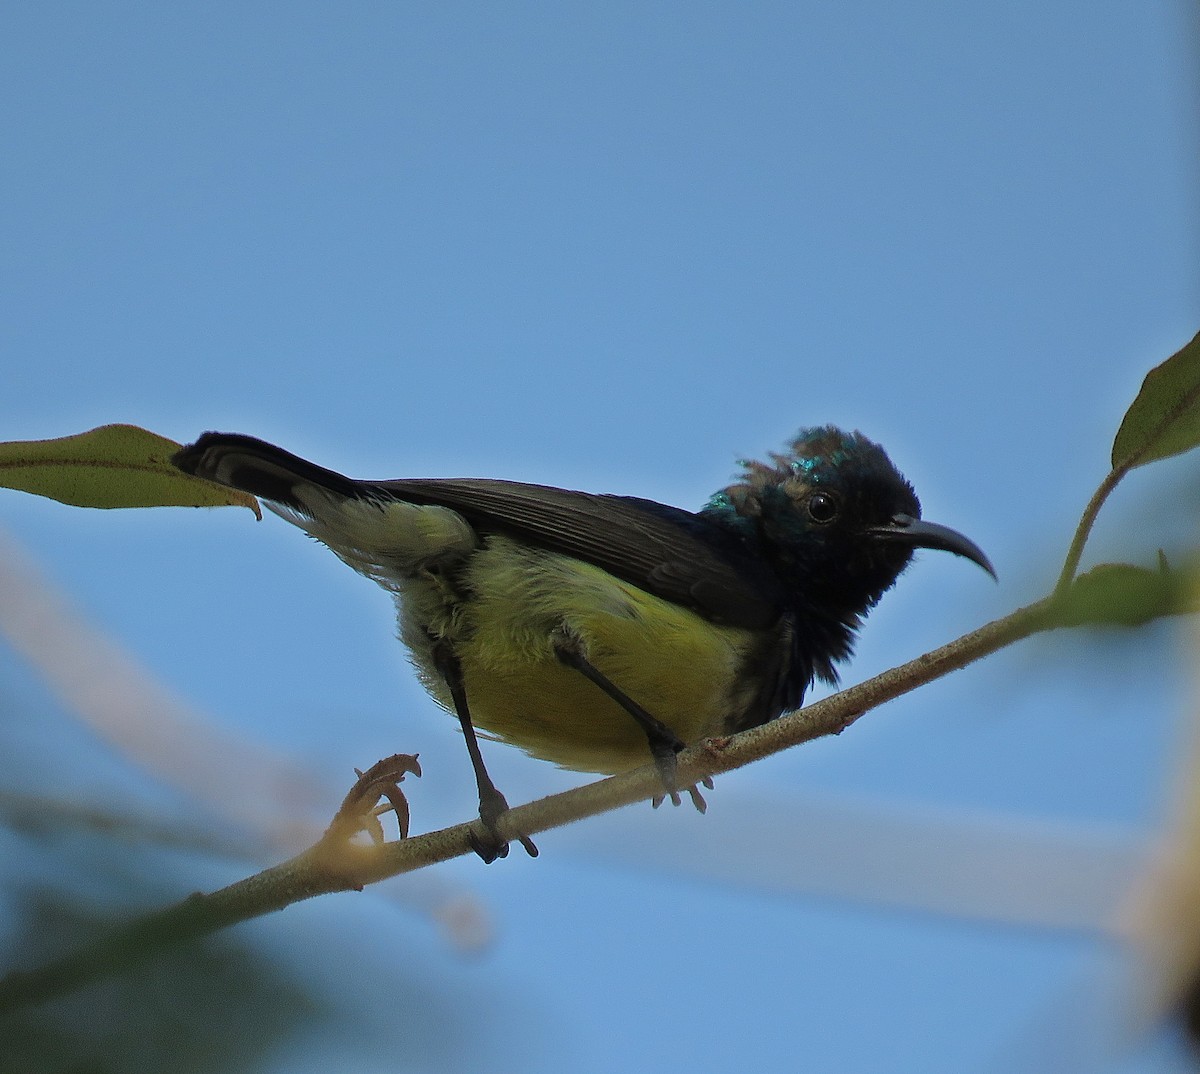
1164,419
111,466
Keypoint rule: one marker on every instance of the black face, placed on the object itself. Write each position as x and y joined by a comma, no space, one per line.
838,520
822,525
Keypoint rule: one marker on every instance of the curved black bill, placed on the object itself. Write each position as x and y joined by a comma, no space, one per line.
919,534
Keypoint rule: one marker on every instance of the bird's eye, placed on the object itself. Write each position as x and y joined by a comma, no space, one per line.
822,508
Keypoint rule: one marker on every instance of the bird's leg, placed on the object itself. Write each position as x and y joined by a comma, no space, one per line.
491,802
664,743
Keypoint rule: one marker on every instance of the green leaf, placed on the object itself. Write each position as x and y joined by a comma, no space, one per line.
1120,594
1164,419
112,466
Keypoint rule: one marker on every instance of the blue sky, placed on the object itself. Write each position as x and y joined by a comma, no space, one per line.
616,247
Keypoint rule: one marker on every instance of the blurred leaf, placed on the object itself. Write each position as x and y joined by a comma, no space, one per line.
219,1006
1121,594
112,466
44,816
1164,419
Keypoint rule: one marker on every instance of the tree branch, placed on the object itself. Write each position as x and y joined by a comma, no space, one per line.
333,865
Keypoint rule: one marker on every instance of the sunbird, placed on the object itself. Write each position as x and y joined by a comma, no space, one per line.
597,630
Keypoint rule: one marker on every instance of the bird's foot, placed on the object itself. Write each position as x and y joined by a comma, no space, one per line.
692,792
666,752
489,843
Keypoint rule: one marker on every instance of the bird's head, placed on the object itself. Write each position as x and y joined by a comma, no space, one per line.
835,518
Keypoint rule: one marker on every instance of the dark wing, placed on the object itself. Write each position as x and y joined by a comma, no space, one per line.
668,552
673,554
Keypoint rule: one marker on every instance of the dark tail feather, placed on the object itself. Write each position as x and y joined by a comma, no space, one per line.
259,468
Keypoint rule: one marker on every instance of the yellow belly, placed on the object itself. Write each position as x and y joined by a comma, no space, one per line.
676,665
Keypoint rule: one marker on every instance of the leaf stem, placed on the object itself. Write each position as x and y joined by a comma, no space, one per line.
1084,529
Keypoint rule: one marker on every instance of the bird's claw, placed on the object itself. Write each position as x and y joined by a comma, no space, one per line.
666,760
490,844
692,792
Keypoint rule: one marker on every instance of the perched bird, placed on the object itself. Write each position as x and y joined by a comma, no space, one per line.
584,628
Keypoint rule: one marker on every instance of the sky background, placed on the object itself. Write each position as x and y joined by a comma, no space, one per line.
617,247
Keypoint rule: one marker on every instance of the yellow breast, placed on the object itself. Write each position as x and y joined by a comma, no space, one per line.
678,666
